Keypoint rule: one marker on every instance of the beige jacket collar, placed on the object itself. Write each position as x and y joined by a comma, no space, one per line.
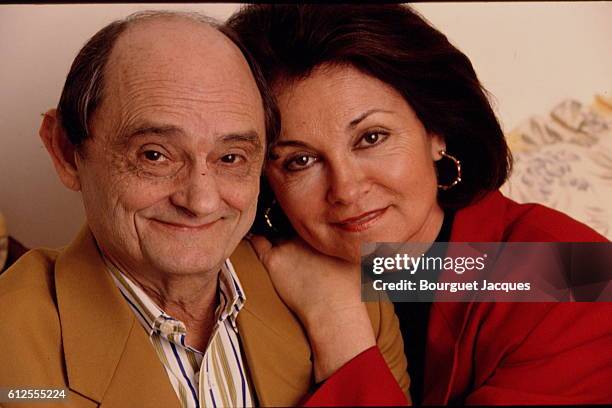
109,358
275,345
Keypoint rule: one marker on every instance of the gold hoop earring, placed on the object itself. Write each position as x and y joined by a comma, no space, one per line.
457,180
267,215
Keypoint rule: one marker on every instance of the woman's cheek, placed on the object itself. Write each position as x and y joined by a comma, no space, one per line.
300,201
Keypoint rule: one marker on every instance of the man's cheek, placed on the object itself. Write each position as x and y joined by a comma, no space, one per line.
138,193
240,194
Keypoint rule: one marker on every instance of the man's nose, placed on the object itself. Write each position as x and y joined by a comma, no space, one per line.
199,193
347,182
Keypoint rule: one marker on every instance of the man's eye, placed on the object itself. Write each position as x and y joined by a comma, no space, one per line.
154,156
371,139
231,158
300,162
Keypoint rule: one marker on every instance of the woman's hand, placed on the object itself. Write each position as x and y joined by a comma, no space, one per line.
325,293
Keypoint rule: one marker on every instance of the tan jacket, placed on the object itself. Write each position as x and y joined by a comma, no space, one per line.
63,323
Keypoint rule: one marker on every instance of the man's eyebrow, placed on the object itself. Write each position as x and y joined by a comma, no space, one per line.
251,137
149,128
364,115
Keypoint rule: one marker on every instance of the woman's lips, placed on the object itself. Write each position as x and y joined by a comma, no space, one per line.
362,222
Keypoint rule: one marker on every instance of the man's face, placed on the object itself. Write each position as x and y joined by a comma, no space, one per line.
170,176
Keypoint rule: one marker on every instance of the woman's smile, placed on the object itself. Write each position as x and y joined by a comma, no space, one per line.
361,222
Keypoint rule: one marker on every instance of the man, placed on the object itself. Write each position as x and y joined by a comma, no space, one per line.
161,126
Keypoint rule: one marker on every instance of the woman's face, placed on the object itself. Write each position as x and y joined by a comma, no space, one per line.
353,164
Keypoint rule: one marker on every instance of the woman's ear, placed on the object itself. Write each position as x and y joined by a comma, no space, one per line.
437,144
61,150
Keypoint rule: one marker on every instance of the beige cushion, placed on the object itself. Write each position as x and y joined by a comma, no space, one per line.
564,161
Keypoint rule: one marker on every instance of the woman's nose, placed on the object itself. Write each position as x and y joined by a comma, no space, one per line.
347,183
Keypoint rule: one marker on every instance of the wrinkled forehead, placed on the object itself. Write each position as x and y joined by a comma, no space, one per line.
180,73
177,50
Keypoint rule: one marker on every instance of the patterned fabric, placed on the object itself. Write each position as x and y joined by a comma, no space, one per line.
3,242
213,378
564,161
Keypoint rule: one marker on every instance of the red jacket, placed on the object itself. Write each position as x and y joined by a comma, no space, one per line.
518,353
499,353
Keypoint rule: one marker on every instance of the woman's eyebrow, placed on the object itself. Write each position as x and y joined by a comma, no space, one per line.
351,125
364,115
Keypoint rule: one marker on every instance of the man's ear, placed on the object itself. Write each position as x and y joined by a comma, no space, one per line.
437,144
60,149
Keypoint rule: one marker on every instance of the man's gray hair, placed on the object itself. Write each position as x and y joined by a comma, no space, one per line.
84,87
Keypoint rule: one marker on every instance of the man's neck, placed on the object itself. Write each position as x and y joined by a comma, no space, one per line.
192,299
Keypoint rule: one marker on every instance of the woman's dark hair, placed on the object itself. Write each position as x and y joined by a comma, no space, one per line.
393,43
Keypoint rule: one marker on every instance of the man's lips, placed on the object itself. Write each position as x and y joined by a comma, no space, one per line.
185,226
360,222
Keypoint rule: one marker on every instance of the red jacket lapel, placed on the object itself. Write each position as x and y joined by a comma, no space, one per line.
483,221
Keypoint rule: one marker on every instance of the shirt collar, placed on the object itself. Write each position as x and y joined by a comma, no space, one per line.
154,319
231,294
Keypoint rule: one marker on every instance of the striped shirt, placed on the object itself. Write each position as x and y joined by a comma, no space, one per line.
213,378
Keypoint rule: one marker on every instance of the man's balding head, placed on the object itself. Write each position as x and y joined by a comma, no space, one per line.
85,84
156,57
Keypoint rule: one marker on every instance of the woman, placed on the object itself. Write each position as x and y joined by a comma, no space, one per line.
387,136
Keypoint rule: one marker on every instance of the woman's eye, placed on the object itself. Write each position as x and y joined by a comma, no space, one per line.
371,139
300,162
154,156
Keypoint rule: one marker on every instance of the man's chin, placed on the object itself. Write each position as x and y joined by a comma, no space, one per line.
189,253
179,267
186,261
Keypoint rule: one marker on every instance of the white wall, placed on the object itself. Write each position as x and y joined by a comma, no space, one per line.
529,55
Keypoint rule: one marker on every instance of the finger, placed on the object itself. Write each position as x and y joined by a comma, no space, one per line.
261,246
